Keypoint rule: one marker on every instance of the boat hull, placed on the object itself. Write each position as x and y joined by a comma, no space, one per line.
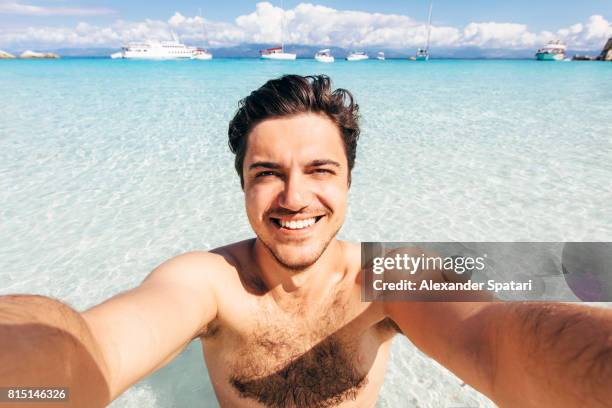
324,58
543,56
357,58
281,56
139,56
202,57
422,58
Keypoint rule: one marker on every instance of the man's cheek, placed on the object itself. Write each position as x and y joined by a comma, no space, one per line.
335,191
253,196
335,198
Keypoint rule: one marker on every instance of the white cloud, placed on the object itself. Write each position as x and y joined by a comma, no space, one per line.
499,35
11,7
309,24
598,27
590,35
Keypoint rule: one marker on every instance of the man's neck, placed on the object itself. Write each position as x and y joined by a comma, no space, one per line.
307,283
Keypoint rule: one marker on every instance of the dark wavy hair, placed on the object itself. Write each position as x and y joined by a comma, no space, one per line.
291,95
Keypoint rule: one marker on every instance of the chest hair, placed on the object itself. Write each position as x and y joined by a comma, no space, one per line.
299,360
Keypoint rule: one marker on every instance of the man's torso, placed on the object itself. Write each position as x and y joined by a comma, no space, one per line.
329,351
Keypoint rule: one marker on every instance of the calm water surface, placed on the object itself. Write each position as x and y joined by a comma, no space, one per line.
108,167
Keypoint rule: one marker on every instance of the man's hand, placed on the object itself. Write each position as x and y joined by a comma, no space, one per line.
98,354
518,354
44,343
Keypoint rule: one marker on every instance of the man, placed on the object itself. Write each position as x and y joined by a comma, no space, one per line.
280,316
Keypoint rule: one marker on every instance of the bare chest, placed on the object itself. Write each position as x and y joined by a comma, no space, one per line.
309,360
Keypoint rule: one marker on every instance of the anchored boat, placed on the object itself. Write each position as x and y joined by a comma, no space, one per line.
357,56
324,56
278,53
161,50
423,53
156,50
553,51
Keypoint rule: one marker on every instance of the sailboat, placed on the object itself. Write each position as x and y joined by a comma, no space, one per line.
202,54
423,53
278,53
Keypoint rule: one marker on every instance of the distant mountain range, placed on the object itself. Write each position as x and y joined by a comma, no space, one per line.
308,51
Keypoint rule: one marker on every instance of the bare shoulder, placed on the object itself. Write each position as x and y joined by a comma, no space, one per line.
195,269
241,266
236,253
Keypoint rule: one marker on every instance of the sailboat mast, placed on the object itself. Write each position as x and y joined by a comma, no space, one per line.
429,24
283,26
203,29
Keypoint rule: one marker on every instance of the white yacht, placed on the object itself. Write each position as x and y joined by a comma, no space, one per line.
553,51
357,56
324,56
160,50
380,56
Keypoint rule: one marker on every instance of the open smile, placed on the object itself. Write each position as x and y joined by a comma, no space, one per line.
288,224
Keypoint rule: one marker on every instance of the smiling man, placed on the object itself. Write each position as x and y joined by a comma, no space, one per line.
280,316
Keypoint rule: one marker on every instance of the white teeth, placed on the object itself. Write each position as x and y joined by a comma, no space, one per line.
298,224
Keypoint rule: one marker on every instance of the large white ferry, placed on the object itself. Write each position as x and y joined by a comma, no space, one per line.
161,50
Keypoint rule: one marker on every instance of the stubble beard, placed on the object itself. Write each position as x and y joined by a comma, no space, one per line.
299,266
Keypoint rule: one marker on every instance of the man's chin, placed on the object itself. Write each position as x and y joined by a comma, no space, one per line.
296,262
294,257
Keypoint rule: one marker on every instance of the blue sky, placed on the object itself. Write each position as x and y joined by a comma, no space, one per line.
538,15
468,22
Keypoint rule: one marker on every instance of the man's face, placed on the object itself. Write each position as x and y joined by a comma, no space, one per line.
296,186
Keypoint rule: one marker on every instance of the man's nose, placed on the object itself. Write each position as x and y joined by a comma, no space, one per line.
295,194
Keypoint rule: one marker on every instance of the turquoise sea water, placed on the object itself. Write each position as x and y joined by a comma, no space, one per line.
109,167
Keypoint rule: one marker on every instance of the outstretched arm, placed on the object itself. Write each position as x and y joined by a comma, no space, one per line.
45,343
98,354
518,354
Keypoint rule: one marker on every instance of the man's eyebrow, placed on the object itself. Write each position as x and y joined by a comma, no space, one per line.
323,162
313,163
264,164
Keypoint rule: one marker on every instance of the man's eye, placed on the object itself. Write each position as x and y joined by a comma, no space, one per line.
265,173
324,171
